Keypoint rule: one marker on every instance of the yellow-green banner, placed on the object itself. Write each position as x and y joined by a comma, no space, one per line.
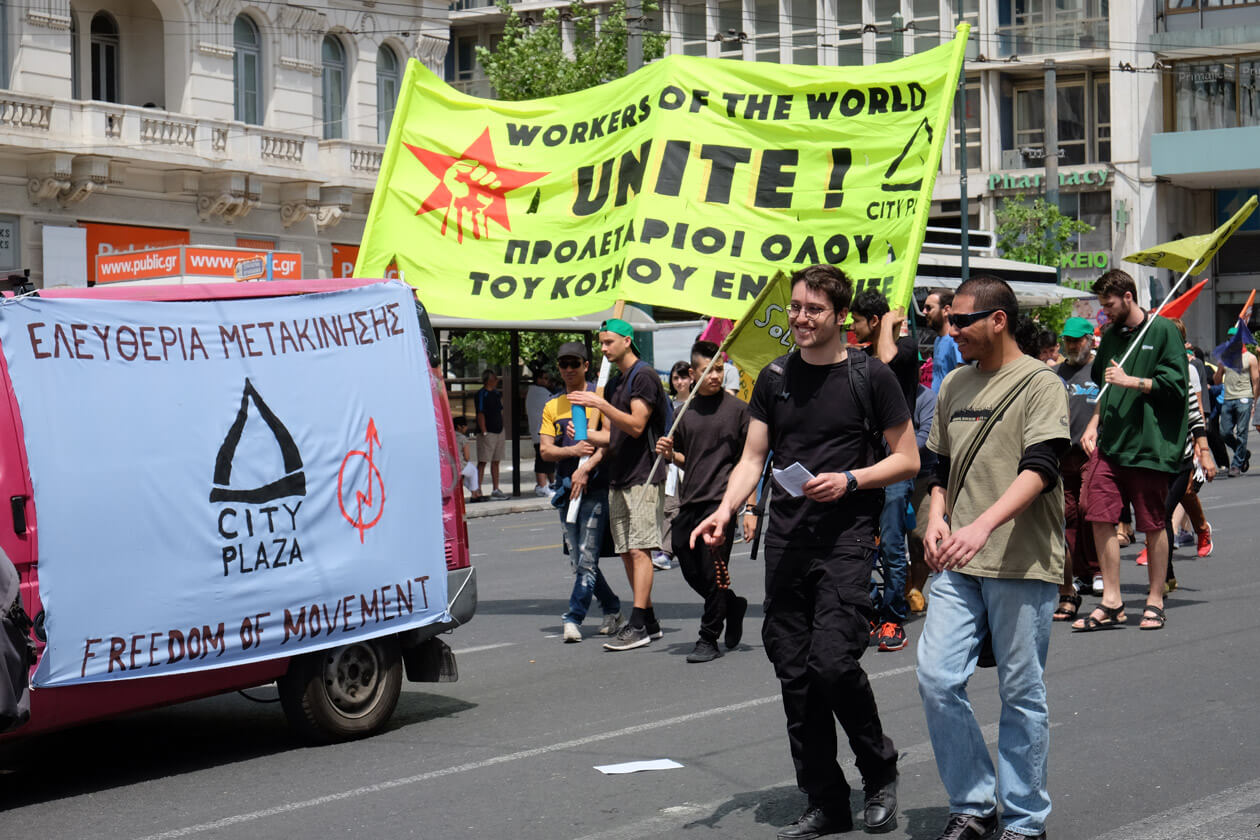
687,184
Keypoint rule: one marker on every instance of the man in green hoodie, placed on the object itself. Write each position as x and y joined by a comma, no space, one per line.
1136,439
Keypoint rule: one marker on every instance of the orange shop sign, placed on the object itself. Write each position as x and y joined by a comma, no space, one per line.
105,239
344,258
192,261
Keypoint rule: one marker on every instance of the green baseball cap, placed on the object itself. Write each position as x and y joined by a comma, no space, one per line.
1232,331
1077,328
617,326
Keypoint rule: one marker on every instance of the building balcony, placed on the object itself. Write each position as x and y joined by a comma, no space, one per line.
1218,158
164,140
1050,34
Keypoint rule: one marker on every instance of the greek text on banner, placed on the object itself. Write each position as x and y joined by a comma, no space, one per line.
688,184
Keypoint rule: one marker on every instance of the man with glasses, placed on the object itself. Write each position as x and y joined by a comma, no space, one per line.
636,411
945,356
995,540
587,483
822,408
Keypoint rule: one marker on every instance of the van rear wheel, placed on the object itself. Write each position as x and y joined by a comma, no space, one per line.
343,693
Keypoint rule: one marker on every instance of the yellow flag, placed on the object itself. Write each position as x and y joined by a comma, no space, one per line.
763,333
1193,250
689,184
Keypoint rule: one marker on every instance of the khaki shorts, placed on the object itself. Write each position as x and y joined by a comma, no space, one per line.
637,517
489,447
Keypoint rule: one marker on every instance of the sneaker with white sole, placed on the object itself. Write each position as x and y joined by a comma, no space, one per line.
654,630
572,633
496,493
612,623
629,638
540,492
662,561
1205,541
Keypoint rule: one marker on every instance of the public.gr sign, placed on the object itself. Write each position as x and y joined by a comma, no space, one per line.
222,482
687,184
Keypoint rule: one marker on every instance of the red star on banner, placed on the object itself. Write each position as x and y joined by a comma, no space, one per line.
471,183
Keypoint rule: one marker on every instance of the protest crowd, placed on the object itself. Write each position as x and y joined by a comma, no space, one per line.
987,481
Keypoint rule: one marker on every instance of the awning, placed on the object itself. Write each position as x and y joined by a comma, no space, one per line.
1029,293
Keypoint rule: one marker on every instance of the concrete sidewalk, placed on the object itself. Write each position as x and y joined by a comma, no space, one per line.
525,503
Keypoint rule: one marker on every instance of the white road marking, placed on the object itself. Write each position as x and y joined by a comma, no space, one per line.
390,784
1186,822
480,648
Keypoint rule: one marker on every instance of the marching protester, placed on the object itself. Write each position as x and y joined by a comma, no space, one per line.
945,355
1001,429
679,389
1082,392
1241,387
636,410
825,413
466,450
706,444
588,483
873,323
490,441
916,581
1139,433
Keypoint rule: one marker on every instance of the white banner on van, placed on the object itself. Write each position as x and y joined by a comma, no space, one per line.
225,482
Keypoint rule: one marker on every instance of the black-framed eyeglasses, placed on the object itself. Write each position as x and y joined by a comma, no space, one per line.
569,363
963,321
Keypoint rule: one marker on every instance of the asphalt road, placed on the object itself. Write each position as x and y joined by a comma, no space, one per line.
1154,733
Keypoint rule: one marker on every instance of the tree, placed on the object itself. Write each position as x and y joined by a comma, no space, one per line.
1035,231
491,348
530,62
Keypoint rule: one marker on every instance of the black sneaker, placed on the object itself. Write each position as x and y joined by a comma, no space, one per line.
705,651
970,827
880,808
654,630
735,610
892,636
816,822
628,638
874,640
1246,462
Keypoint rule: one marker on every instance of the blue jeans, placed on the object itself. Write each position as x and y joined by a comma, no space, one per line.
1235,421
1017,613
890,604
584,539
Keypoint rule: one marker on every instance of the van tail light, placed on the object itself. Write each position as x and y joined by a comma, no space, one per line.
18,506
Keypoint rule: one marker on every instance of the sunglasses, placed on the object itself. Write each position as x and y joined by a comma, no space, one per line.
565,364
964,321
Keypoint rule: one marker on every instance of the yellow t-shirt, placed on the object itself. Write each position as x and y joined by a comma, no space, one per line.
1030,546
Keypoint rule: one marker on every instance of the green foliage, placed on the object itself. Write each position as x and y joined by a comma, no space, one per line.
1035,231
1054,316
530,61
490,348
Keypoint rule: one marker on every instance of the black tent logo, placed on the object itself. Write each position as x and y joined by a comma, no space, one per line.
914,156
292,483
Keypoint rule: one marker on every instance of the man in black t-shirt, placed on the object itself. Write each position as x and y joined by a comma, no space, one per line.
635,409
706,444
820,546
873,323
490,439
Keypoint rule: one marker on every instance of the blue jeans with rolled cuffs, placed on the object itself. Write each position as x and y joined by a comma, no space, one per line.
1018,615
584,539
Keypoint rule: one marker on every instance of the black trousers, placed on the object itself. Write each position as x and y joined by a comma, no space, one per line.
817,626
700,567
1176,490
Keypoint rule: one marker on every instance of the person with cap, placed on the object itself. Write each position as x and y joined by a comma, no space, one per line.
637,410
586,481
1082,392
1242,387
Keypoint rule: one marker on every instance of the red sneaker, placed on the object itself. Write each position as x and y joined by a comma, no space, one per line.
1141,558
1205,541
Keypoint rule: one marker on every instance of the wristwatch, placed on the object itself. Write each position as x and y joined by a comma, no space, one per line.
853,484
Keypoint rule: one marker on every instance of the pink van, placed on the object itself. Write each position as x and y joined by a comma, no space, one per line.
333,694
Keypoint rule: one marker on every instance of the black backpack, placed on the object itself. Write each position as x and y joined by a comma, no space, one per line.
17,651
859,385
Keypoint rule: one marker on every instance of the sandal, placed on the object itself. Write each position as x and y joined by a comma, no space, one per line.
1155,615
1069,605
1112,617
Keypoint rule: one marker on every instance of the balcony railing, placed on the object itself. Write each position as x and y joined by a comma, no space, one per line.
17,111
360,160
1051,33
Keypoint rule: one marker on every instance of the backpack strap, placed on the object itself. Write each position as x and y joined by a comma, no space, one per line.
860,387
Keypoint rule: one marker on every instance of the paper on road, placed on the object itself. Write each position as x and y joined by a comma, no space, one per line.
636,766
793,478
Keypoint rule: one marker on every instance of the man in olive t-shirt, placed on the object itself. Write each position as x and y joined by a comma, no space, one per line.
999,560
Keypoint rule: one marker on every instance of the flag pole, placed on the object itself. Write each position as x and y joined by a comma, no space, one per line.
1137,342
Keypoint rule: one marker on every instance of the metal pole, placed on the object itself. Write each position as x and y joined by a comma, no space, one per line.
1051,146
960,108
514,390
634,35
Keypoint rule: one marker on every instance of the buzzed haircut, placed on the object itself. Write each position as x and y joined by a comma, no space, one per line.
828,280
870,304
1115,283
704,349
945,297
991,292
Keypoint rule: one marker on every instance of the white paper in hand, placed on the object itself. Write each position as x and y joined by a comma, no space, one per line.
793,478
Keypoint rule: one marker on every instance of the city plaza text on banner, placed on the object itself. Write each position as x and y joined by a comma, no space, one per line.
688,184
224,504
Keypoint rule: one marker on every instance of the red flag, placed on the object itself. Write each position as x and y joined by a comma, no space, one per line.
717,330
1177,307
